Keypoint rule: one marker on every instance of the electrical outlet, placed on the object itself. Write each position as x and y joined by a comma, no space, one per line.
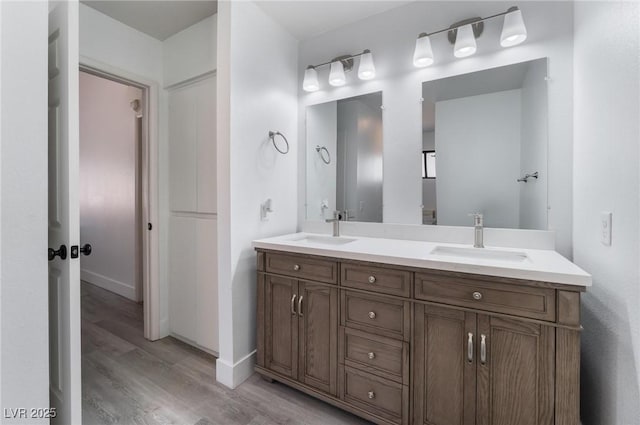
605,228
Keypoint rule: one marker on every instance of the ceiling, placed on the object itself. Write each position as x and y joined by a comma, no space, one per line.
157,18
305,19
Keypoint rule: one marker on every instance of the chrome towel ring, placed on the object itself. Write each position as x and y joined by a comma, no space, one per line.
325,158
272,136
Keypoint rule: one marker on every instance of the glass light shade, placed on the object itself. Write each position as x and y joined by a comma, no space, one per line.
465,42
366,69
513,30
423,54
310,82
336,75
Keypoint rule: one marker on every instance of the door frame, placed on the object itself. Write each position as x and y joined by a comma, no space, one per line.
149,185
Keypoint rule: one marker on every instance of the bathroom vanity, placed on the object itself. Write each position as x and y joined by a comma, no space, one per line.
408,332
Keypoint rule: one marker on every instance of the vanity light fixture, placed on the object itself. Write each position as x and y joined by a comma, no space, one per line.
339,66
463,36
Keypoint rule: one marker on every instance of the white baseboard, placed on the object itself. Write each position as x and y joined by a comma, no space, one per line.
233,374
109,284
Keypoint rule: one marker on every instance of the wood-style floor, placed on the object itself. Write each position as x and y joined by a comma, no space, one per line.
127,379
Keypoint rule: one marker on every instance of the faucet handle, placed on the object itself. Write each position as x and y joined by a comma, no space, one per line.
478,218
336,217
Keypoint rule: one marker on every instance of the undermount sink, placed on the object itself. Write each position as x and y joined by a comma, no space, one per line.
324,240
480,253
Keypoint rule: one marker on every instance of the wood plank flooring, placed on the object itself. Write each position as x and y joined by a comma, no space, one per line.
127,379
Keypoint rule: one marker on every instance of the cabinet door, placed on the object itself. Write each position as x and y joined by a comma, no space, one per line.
318,330
444,370
515,372
281,327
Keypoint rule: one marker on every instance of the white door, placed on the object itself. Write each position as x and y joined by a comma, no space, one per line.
64,221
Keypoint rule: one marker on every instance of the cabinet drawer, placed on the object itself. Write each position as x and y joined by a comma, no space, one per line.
378,315
376,279
514,299
302,267
385,357
376,395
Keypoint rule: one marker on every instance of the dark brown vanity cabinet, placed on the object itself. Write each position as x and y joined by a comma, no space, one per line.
300,330
479,369
400,345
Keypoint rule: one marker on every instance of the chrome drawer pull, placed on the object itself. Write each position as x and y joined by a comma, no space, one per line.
372,315
371,395
483,349
293,304
300,306
477,296
372,279
296,267
470,347
371,355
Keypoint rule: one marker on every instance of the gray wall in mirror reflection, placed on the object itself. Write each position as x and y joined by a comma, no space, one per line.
351,131
488,128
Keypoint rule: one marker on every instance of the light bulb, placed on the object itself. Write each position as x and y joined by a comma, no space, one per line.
423,54
513,30
465,42
336,76
366,70
310,82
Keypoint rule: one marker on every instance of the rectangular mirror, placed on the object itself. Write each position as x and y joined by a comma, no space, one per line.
487,133
344,159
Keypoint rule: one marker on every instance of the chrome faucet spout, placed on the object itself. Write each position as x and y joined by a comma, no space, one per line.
336,223
478,230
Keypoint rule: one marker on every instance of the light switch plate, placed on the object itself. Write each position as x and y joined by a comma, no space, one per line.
605,228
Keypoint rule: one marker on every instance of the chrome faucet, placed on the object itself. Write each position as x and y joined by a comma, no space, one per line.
336,223
478,231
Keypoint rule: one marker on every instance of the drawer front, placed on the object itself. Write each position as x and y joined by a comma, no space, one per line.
378,315
302,267
378,396
514,299
376,279
385,357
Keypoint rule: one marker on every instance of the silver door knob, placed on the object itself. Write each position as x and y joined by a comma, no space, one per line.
477,296
296,267
372,315
371,394
372,279
371,355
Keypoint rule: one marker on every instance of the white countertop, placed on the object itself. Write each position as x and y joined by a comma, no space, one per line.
541,265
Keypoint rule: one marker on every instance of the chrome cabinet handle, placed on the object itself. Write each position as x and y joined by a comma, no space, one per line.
470,347
372,315
372,279
477,296
371,355
293,304
371,395
300,306
483,349
296,267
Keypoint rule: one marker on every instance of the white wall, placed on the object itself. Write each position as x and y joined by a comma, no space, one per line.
24,303
478,146
250,170
606,178
550,28
533,147
321,178
191,52
109,154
